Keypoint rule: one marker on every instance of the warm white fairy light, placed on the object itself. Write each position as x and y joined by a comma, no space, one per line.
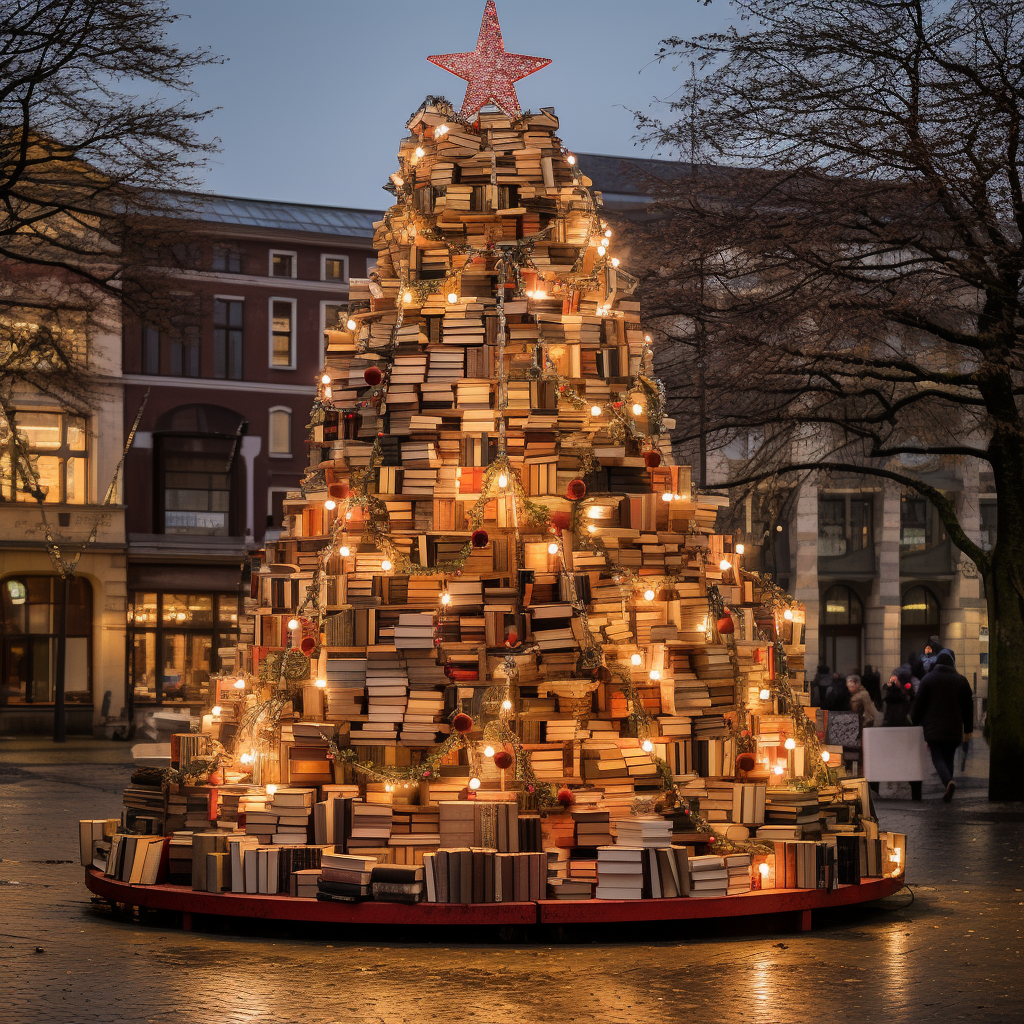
570,159
763,869
594,512
764,694
637,408
271,789
647,746
293,623
790,743
419,151
615,261
601,250
740,549
488,751
502,480
453,297
321,684
552,548
648,594
826,756
591,528
351,324
344,551
216,710
474,783
607,232
325,379
635,659
386,565
654,674
506,705
779,770
666,496
330,505
407,297
441,129
446,598
788,614
247,758
725,565
595,410
239,684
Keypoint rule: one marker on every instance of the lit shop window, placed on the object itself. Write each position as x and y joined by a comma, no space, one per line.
51,451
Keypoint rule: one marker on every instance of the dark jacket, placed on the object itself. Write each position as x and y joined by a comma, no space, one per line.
897,702
944,704
872,682
837,696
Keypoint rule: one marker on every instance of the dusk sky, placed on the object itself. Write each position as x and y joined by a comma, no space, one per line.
315,93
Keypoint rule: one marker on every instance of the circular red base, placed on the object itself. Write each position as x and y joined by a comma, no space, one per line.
187,901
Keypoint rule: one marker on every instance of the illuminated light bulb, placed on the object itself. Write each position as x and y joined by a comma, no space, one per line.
446,598
441,129
615,261
826,756
594,512
180,616
740,549
655,674
386,565
778,769
293,623
570,159
765,694
591,528
790,744
725,565
788,614
453,297
321,684
488,751
637,408
271,789
348,515
648,746
330,505
328,392
648,594
474,783
325,379
647,338
247,759
239,684
666,496
351,324
595,410
608,233
216,710
635,659
601,250
506,705
419,151
763,869
502,480
344,551
407,298
552,548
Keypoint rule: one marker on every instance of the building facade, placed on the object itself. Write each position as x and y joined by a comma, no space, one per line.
221,439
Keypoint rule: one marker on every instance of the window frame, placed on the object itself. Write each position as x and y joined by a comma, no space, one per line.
324,257
230,254
162,451
293,344
62,452
226,327
283,252
270,432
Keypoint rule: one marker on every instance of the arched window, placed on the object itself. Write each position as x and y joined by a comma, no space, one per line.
280,431
841,607
30,614
920,607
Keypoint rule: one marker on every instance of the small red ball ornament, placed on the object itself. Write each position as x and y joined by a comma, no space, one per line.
725,624
559,521
449,671
576,489
652,459
462,723
746,762
307,645
479,538
502,760
616,405
372,376
565,797
338,490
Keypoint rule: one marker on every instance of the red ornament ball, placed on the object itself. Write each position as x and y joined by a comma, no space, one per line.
565,797
746,762
449,671
576,489
512,639
502,760
652,459
338,490
307,645
559,521
372,376
462,723
616,405
479,538
726,625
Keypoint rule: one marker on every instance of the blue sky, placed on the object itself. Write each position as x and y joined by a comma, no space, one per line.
315,93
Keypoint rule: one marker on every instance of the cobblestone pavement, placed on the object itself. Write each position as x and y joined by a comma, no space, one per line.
955,953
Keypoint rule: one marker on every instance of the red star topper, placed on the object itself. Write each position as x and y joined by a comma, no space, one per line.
489,70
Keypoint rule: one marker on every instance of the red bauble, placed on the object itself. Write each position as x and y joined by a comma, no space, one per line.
502,760
576,490
479,538
616,405
652,459
216,778
559,521
307,645
512,638
746,762
372,376
725,624
449,671
462,723
337,490
565,797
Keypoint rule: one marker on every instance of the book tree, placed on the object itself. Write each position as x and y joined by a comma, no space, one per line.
495,579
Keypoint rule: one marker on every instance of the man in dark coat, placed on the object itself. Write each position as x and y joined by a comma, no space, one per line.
944,707
871,680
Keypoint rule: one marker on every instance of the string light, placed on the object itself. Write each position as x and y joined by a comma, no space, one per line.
788,614
216,710
325,379
407,298
330,505
647,746
419,151
779,770
601,250
764,694
570,159
763,869
594,512
615,261
321,684
790,743
386,564
648,594
591,528
271,789
552,548
453,297
725,565
488,751
446,598
441,129
740,549
826,756
637,408
654,674
351,324
595,410
239,684
666,496
502,480
474,783
293,623
344,551
506,705
607,232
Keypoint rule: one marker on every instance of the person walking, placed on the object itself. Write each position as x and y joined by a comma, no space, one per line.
861,702
836,697
932,650
820,685
897,695
944,708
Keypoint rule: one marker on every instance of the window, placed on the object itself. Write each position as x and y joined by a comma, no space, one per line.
180,345
988,525
280,432
57,450
174,641
915,524
920,608
227,338
842,607
334,268
30,614
283,264
150,350
844,525
282,334
226,260
195,487
860,524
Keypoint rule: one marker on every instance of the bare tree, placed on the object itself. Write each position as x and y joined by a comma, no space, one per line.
97,130
847,251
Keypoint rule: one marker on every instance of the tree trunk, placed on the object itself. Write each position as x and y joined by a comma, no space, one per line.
1004,590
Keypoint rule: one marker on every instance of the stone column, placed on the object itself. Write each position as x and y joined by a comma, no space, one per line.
806,588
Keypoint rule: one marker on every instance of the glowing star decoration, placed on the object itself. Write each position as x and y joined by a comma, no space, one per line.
489,70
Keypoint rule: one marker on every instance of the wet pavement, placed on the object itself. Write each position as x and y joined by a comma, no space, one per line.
951,950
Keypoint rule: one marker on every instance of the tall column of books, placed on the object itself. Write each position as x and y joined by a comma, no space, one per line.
495,582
